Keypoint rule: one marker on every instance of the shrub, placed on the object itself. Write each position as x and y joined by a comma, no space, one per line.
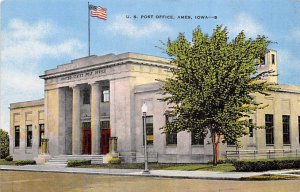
114,160
25,162
9,158
265,165
75,163
4,144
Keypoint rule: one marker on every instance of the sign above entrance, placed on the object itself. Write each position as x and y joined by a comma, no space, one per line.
83,75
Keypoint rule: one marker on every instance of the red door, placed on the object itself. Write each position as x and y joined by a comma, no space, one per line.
105,135
86,142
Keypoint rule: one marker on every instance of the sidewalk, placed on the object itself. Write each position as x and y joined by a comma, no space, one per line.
138,172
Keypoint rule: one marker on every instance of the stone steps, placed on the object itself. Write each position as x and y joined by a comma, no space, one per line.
63,159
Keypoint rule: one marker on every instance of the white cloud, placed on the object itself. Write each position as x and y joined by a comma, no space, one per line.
246,23
127,28
25,47
30,43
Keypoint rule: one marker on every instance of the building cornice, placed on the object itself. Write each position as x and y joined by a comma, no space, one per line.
34,103
99,62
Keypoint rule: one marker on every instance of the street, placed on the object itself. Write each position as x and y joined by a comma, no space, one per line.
14,181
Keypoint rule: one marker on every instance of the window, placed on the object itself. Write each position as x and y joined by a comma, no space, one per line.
197,139
29,135
231,143
86,96
299,128
171,138
105,94
149,130
273,58
262,60
17,136
42,132
86,125
250,128
104,125
269,124
286,129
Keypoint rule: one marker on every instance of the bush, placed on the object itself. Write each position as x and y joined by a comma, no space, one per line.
75,163
265,165
114,160
25,162
9,158
4,144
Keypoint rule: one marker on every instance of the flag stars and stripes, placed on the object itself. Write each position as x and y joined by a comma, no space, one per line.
98,12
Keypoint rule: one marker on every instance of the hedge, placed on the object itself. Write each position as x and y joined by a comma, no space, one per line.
9,158
265,165
75,163
25,162
114,160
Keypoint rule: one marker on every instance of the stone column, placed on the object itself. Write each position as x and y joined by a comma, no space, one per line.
95,117
76,133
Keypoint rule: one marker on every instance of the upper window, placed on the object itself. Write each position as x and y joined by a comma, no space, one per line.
86,96
231,143
105,94
299,128
273,58
17,136
171,138
262,60
250,128
197,139
269,126
104,125
286,129
86,125
29,136
42,132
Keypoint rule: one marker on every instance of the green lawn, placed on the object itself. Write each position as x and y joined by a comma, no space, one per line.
3,162
269,177
165,166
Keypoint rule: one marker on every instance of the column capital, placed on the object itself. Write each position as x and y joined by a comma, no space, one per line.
75,86
93,82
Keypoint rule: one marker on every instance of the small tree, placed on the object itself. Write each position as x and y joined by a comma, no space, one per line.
213,82
4,144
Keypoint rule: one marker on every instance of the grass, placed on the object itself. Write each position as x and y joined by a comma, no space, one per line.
3,162
269,177
203,167
272,159
166,166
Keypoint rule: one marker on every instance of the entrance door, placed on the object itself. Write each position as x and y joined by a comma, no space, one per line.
86,142
105,135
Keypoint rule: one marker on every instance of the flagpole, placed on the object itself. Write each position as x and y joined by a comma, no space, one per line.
89,32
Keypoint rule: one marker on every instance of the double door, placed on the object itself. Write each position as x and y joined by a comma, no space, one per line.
87,141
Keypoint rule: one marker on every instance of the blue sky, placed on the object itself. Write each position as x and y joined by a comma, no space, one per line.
38,35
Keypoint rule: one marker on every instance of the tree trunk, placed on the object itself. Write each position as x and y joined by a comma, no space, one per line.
215,142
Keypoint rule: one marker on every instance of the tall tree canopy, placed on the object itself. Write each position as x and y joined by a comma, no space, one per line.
213,82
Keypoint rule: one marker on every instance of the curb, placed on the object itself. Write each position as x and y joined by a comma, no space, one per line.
122,174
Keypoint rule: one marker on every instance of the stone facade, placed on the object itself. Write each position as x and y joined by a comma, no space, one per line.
94,98
26,117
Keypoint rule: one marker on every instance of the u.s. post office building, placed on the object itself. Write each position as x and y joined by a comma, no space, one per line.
92,99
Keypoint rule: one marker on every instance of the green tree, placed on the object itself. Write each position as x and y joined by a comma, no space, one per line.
4,144
214,79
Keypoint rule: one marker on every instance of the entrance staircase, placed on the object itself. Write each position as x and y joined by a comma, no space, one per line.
63,159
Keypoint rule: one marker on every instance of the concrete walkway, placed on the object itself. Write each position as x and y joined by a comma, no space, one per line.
139,172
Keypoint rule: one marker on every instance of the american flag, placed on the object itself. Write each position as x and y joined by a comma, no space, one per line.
98,12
